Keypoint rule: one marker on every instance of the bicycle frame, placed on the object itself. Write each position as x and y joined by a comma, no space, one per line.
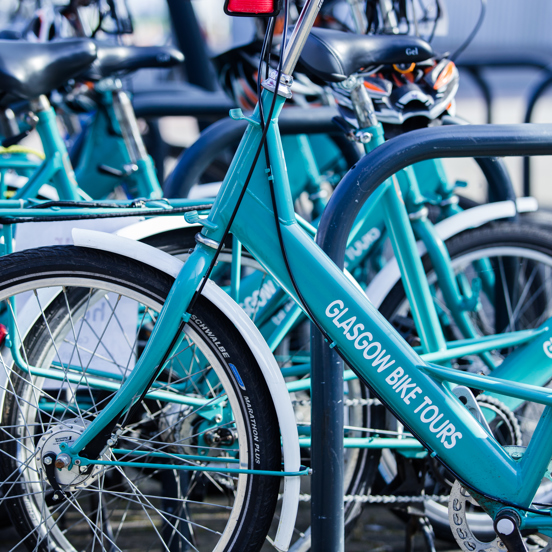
112,140
56,168
383,214
114,137
412,389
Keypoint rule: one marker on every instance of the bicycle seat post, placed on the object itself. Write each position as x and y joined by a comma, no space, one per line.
363,107
146,182
128,123
8,123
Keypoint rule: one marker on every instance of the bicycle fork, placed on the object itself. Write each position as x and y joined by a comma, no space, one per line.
166,337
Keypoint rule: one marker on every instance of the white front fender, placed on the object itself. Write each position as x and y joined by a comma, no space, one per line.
272,374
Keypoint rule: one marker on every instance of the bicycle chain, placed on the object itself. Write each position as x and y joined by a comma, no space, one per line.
390,499
370,499
382,499
347,402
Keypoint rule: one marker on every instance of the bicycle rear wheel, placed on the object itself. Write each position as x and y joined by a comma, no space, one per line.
517,260
89,315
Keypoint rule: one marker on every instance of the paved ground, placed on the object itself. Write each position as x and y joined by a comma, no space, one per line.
377,530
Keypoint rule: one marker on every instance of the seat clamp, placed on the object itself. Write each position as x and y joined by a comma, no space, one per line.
285,83
350,83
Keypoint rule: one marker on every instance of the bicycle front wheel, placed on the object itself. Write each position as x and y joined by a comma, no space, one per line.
83,318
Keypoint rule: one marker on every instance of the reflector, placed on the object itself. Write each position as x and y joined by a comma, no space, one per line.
258,8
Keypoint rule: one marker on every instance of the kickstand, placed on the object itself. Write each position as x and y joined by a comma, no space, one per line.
415,523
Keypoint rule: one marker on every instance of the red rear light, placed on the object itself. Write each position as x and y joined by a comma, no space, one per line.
258,8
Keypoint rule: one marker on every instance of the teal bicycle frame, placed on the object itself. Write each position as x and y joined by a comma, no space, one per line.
416,392
382,215
112,140
107,142
395,220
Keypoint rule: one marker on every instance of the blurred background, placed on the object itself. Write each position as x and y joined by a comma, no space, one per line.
508,59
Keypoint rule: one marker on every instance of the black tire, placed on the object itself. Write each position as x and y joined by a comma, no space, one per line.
210,510
521,256
499,237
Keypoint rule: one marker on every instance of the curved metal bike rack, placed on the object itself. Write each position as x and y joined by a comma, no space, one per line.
228,132
327,367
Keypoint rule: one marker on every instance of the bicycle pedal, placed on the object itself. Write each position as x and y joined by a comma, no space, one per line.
506,526
117,173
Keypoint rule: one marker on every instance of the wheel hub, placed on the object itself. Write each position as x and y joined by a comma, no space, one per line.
67,433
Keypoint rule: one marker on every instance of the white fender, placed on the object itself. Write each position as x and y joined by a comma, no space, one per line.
272,374
154,225
384,281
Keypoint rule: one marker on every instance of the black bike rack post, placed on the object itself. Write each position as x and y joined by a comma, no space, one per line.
499,183
191,43
327,367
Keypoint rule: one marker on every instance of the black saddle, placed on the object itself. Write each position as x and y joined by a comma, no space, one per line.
113,59
332,56
29,69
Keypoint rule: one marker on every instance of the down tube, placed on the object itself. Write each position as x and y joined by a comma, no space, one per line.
379,355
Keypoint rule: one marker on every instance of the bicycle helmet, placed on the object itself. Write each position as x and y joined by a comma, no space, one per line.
418,93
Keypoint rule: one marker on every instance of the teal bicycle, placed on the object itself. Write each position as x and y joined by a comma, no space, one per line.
111,154
205,395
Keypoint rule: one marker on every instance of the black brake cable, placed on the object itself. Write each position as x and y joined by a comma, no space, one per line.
132,410
267,38
473,33
302,303
435,22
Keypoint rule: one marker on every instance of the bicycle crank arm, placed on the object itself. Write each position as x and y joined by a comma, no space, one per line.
506,526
